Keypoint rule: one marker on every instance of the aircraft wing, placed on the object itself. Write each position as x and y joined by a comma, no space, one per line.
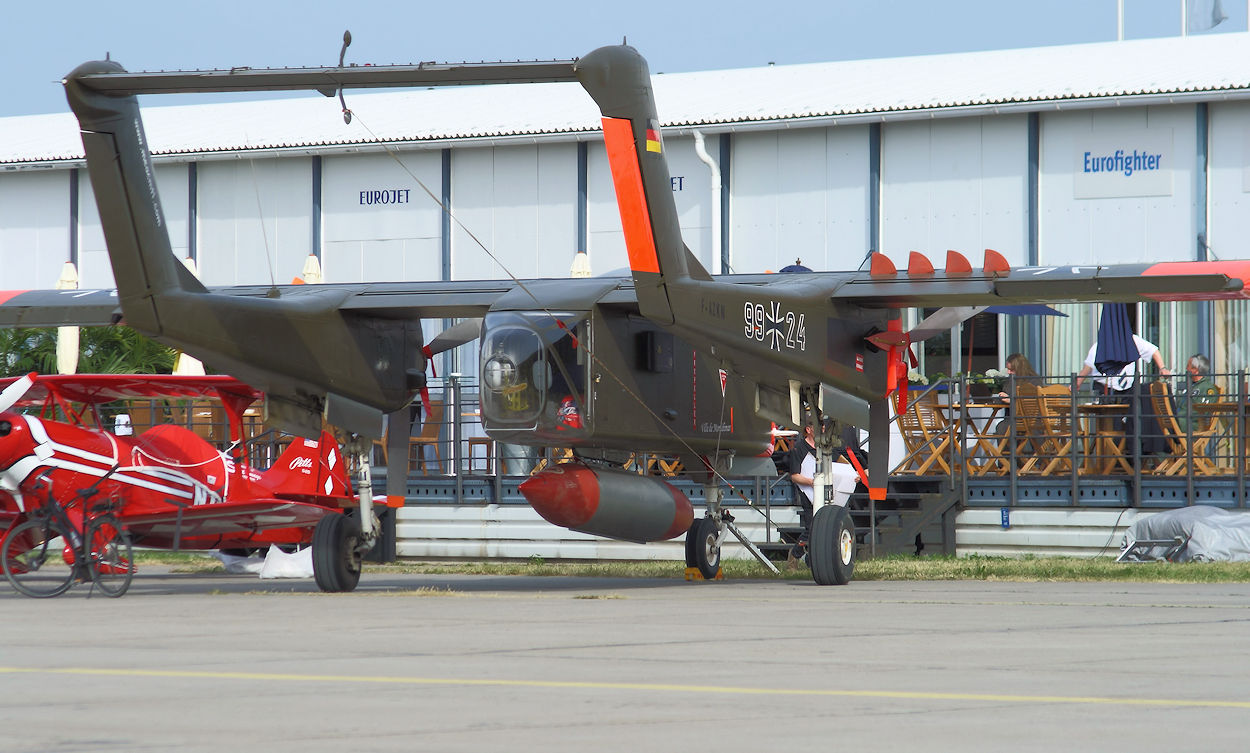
94,389
465,298
52,308
223,519
922,286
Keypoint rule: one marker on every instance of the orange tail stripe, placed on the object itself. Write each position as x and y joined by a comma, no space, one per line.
618,138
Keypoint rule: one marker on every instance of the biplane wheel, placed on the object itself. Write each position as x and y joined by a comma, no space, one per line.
33,561
336,563
702,549
831,548
112,558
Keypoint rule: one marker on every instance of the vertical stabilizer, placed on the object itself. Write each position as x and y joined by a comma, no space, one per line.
125,192
309,468
618,80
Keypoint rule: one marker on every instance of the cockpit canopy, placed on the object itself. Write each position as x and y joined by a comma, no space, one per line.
533,373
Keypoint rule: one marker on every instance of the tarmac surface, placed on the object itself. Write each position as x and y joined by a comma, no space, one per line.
509,663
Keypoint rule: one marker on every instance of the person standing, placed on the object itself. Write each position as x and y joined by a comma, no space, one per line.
801,463
1121,382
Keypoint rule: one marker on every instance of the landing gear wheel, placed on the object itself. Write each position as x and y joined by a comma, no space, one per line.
336,563
112,558
702,549
691,536
831,550
32,559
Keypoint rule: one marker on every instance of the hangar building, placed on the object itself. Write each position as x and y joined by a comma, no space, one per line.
1076,155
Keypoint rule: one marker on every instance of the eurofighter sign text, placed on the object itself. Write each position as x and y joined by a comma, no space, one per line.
1124,164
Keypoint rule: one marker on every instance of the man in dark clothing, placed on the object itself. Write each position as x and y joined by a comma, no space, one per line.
801,463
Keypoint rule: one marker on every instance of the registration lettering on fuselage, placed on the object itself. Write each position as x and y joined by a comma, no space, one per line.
768,322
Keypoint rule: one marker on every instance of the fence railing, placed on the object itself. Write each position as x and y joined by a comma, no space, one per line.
1159,427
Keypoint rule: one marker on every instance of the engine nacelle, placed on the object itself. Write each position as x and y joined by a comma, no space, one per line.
615,504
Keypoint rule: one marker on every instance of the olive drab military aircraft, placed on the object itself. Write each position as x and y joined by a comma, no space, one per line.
669,360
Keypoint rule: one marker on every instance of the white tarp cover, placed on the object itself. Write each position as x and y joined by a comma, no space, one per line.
279,564
1213,534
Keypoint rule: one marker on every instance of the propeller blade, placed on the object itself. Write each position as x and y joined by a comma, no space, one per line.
454,336
14,392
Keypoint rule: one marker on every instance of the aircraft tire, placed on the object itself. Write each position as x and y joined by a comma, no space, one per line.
336,563
701,543
32,559
691,535
831,551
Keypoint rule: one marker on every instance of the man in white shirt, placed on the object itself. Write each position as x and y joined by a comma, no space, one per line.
1122,381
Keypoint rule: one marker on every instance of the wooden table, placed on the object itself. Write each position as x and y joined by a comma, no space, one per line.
980,428
1104,448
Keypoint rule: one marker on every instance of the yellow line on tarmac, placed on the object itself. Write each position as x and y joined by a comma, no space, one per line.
650,687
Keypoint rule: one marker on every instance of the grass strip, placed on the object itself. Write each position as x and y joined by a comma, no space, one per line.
898,567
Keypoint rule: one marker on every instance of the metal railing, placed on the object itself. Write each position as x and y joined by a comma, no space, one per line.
1138,436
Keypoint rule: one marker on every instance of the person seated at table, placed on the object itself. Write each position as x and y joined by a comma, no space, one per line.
1018,366
1199,388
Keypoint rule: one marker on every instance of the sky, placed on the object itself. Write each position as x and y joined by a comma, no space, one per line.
46,40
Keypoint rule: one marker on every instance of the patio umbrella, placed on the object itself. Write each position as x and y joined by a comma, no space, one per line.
1116,348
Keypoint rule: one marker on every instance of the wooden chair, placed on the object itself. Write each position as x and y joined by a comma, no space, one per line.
1046,414
488,446
557,455
431,426
1186,449
926,434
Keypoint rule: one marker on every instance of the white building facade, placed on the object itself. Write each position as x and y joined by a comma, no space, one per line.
1082,155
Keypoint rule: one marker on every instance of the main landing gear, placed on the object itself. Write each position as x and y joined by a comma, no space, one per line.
340,542
831,542
831,546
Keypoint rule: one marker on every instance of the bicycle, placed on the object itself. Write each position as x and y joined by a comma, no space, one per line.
47,553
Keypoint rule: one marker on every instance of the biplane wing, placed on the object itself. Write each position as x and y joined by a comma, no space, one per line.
229,522
97,389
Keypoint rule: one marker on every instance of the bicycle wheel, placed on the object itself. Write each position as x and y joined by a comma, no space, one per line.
33,559
112,559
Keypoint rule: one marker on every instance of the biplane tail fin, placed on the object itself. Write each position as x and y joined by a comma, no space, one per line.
309,468
618,80
125,189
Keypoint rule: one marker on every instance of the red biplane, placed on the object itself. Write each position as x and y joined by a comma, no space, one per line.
167,486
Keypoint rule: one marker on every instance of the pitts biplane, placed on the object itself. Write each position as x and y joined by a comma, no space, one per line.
170,489
669,360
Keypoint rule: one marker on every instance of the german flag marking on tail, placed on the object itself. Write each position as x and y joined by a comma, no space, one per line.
654,144
631,198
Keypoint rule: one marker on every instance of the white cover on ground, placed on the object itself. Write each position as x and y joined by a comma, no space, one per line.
236,565
1213,534
279,564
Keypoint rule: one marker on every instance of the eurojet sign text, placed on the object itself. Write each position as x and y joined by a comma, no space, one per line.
1123,164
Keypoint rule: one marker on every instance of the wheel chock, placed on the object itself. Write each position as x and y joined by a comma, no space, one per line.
693,573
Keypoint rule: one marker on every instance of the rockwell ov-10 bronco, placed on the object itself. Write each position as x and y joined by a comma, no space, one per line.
670,360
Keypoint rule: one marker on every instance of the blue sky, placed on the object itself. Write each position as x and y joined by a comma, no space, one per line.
46,40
